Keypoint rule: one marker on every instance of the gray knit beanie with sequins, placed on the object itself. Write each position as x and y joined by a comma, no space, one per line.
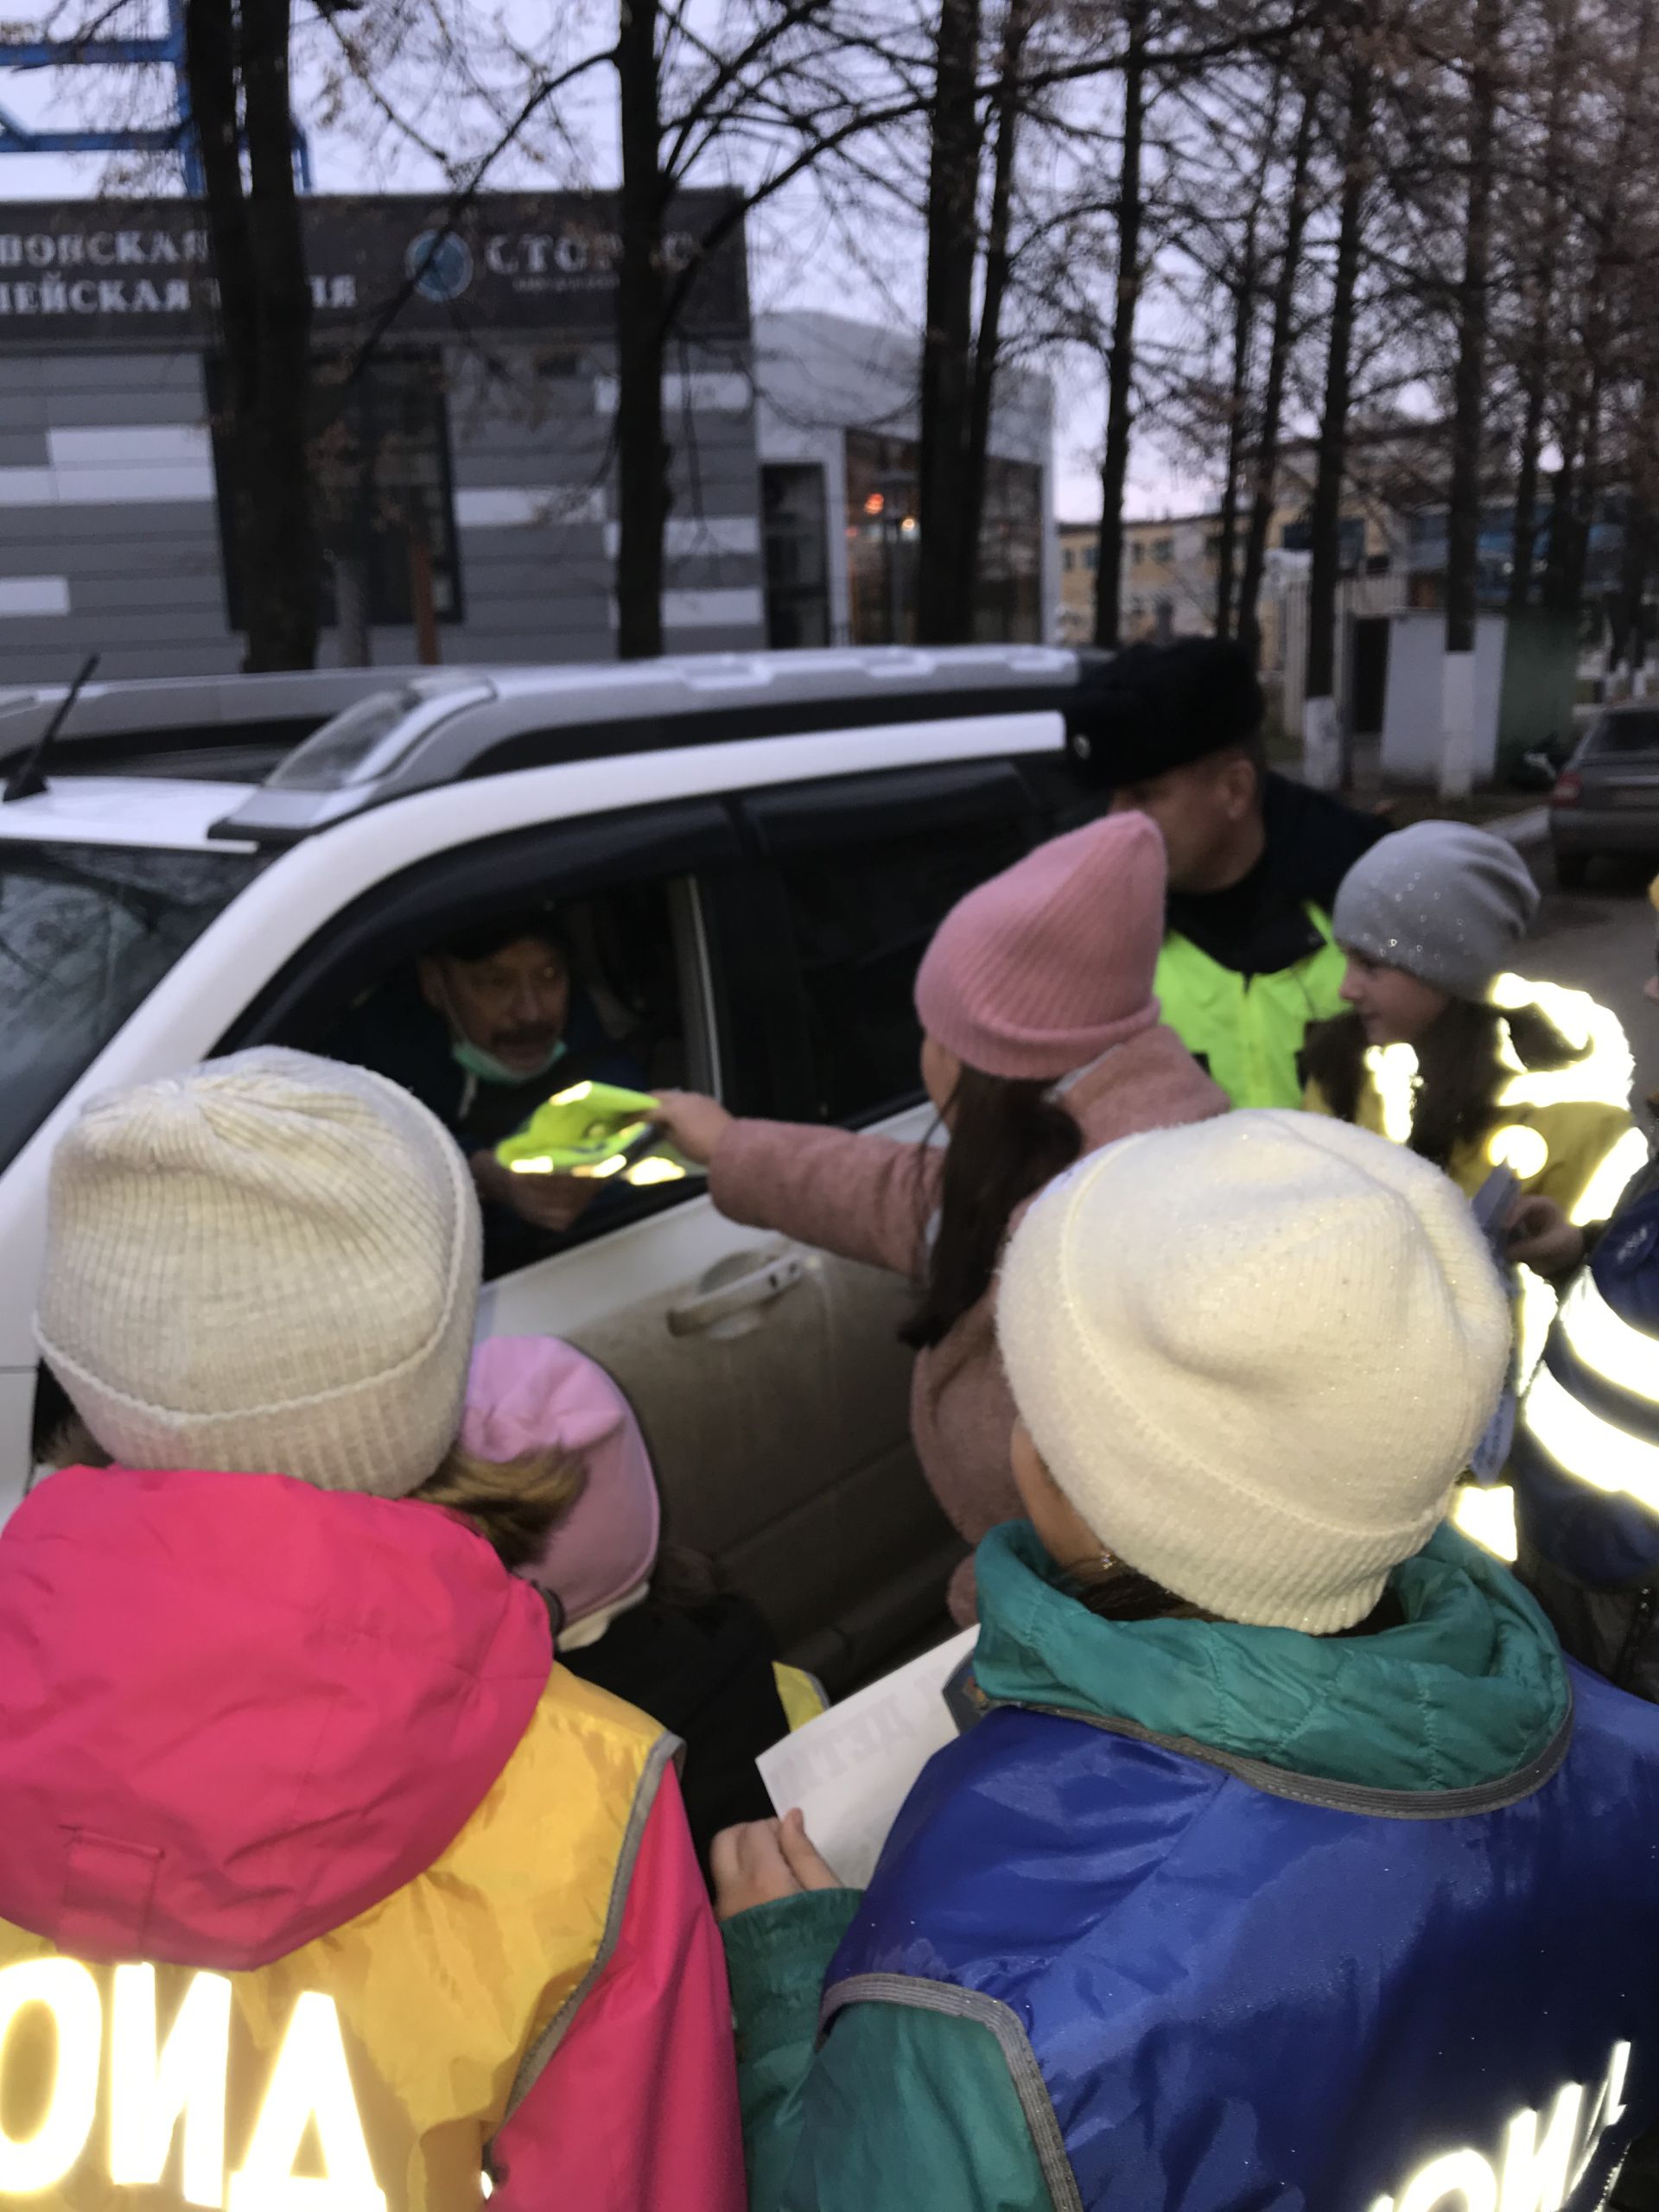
1446,902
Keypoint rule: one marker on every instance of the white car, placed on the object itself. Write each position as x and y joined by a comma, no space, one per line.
749,854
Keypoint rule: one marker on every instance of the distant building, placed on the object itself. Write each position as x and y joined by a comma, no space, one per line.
837,429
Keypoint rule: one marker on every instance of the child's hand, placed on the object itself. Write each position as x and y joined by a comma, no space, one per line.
763,1861
695,1124
1542,1238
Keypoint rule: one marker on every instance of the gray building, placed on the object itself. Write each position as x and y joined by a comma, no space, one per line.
472,458
467,470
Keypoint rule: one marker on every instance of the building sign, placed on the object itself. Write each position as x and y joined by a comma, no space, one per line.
543,264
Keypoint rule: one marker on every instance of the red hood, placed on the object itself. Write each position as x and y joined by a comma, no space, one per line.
235,1711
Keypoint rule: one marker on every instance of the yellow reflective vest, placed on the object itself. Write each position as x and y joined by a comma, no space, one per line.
1247,1030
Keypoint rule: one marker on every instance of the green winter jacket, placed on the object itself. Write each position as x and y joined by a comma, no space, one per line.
1247,1030
903,2110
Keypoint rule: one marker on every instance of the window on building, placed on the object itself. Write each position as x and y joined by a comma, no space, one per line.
1068,559
1091,558
386,504
792,509
1163,550
1137,554
883,544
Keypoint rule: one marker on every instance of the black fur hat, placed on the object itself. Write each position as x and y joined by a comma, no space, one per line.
1152,708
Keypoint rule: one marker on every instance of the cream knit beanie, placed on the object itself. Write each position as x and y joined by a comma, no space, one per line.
267,1264
1255,1354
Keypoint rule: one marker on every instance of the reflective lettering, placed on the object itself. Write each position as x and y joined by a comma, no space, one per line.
535,251
149,2094
1535,2173
310,2083
36,2162
145,297
83,297
55,295
11,251
1462,2179
112,296
497,255
100,250
26,299
72,249
176,297
128,249
39,251
1393,1069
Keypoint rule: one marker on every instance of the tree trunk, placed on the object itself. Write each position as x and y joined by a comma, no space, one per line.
642,452
1534,373
947,335
1273,398
1322,747
1015,30
264,301
1238,392
1469,413
1120,359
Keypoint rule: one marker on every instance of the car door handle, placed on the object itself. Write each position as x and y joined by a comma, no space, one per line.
759,1288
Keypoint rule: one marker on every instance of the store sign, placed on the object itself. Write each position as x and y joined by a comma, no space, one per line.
539,263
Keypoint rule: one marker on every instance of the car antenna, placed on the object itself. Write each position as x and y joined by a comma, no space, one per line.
28,779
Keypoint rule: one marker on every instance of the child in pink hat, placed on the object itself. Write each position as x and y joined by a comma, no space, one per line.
1040,1040
663,1637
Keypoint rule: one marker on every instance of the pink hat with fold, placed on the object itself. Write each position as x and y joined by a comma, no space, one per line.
526,1394
1043,968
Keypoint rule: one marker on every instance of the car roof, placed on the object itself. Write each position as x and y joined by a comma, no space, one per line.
404,731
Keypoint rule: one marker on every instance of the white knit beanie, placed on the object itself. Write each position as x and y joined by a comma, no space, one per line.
267,1264
1255,1354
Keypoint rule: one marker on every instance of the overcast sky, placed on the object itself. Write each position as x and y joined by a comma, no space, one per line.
795,260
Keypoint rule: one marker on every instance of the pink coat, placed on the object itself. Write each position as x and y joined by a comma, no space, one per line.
872,1198
317,1742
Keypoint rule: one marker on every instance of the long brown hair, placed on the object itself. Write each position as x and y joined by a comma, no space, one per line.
1007,1138
1459,1070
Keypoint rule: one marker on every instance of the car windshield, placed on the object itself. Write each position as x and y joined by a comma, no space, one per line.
1625,732
87,932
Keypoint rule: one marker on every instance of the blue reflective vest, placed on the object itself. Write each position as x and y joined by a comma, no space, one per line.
1585,1461
1222,1988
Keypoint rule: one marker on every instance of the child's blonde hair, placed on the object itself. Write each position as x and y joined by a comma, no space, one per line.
514,1504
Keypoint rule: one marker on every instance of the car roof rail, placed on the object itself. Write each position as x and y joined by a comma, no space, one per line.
448,727
218,726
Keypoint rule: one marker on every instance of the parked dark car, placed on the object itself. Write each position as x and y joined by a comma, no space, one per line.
1606,799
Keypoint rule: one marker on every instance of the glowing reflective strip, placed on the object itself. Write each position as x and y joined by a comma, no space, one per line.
1604,1074
1602,1192
1594,1450
32,2163
1393,1069
1487,1516
1608,1347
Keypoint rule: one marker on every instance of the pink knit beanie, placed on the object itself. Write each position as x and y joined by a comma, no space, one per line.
1041,969
526,1394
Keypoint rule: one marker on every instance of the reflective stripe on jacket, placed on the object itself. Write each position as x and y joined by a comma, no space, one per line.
1217,1984
312,1866
1248,1030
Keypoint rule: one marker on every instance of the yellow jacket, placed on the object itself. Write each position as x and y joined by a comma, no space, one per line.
314,1865
1566,1134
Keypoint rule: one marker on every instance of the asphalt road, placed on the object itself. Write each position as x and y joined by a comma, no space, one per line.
1602,941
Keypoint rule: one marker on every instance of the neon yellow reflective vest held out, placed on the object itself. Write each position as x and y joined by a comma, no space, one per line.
1248,1030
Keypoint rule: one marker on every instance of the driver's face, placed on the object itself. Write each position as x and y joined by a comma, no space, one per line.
514,1004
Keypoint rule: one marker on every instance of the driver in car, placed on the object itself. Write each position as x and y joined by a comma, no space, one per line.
489,1025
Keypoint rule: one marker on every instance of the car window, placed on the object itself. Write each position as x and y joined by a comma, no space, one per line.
860,914
623,1007
86,932
1626,732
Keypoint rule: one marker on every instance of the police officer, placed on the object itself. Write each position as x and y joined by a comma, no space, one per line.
1254,859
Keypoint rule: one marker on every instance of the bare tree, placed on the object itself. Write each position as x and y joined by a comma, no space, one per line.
237,59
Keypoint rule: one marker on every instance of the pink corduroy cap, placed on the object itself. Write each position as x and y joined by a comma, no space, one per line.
526,1394
1041,969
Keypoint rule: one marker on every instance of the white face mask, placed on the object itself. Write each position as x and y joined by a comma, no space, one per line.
487,1069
